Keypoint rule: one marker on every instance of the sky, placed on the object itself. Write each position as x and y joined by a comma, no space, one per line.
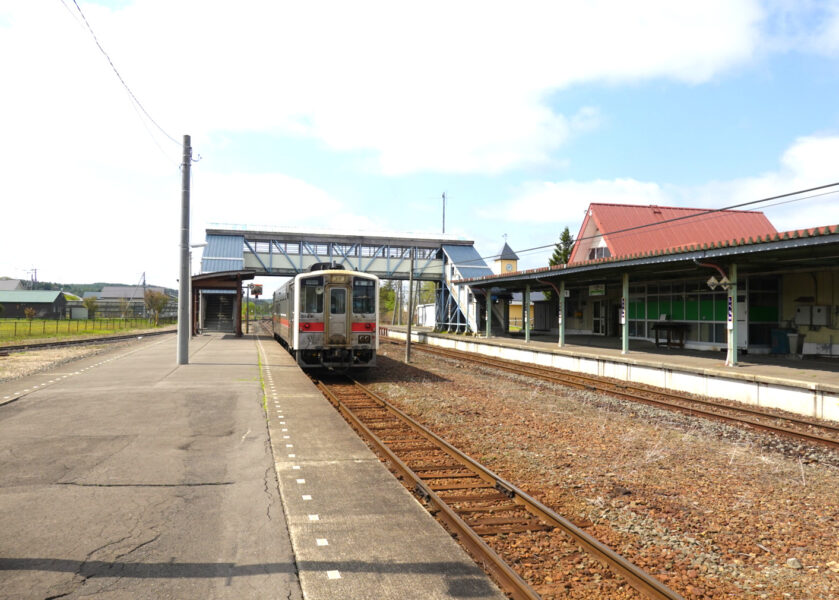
358,116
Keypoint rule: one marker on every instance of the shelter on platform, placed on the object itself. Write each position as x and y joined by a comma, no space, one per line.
217,301
765,293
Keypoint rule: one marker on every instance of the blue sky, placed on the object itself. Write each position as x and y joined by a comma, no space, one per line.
358,116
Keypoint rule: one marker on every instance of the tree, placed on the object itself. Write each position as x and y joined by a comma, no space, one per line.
155,302
387,297
124,305
562,249
90,304
29,313
562,252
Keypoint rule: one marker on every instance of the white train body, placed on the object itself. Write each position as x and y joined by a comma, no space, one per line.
329,318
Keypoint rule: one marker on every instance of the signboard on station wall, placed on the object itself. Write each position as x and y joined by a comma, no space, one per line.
598,289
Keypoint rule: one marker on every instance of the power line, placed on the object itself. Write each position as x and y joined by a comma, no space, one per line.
691,216
121,80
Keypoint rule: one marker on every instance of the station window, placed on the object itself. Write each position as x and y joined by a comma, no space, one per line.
600,252
311,295
363,296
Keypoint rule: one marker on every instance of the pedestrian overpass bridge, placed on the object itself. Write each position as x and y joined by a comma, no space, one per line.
443,259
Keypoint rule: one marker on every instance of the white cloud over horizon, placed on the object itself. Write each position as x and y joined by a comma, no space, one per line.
404,84
809,162
377,90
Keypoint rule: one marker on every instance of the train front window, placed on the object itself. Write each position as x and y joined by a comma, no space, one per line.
363,296
311,296
338,301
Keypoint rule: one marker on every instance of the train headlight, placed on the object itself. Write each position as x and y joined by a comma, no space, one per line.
364,339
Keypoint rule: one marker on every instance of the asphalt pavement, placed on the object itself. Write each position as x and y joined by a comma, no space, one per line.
126,476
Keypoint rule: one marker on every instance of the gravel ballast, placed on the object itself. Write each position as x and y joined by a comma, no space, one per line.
711,510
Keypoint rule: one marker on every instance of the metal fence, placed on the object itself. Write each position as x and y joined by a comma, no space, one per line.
23,328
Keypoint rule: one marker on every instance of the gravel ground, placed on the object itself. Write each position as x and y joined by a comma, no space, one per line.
21,364
711,510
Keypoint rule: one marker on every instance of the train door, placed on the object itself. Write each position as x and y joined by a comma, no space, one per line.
337,323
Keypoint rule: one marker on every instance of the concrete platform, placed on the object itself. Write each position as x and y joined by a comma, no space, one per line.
356,532
808,386
126,476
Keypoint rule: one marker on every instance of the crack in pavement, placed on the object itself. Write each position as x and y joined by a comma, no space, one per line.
144,485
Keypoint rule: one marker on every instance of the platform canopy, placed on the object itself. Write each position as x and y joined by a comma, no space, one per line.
287,253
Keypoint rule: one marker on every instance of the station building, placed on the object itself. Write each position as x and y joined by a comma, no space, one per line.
700,279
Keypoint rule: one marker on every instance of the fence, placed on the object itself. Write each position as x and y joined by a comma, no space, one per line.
23,328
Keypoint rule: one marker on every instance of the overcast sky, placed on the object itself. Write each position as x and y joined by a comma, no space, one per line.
357,116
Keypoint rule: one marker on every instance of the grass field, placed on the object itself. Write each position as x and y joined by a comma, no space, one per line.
16,330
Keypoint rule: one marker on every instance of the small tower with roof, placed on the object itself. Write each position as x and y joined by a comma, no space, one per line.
507,260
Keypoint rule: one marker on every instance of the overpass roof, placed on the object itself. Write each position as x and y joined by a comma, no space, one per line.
385,238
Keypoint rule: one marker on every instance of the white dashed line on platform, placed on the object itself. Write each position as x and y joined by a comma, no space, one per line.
333,574
321,542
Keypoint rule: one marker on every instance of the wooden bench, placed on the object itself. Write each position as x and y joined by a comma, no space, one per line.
674,334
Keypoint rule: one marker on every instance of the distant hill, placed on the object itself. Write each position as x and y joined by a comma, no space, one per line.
80,288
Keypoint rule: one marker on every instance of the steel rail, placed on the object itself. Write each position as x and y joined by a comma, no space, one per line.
638,578
639,394
83,341
509,580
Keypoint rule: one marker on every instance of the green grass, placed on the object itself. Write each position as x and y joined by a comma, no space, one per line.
17,330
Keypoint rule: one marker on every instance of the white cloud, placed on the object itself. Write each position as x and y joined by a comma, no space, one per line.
458,87
809,162
566,202
804,25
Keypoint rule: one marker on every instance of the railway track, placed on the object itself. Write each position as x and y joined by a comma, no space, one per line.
484,511
105,339
810,431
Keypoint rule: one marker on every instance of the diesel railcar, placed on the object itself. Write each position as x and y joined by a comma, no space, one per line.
328,317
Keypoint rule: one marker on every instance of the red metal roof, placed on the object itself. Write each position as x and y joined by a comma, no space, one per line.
630,229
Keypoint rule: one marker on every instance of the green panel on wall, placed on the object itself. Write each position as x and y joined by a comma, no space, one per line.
652,309
720,309
678,309
706,310
692,309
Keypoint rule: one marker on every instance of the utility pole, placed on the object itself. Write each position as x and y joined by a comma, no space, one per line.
183,301
444,212
410,308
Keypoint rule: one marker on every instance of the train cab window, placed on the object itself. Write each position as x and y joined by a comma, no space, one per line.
311,296
338,301
363,296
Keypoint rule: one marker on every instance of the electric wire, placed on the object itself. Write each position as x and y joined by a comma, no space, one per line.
122,81
684,217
